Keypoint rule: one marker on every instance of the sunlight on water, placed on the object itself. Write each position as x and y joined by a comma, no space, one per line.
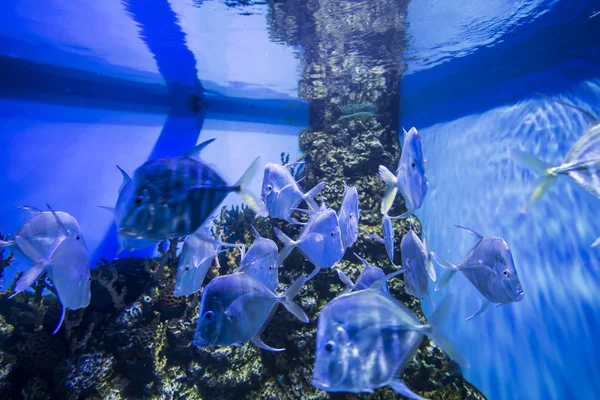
542,347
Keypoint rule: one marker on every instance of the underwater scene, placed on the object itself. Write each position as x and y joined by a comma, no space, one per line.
300,199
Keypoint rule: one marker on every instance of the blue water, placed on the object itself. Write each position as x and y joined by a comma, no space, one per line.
469,87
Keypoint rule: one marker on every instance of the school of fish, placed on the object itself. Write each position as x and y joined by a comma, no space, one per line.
365,337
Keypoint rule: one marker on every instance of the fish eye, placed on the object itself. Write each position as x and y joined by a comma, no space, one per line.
208,315
506,273
329,346
137,201
332,233
187,267
77,237
269,188
414,164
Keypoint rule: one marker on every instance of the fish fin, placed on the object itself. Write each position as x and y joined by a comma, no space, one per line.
311,194
6,243
380,282
256,234
110,209
365,262
376,238
294,222
400,387
429,264
596,242
249,198
430,299
126,179
258,342
195,152
436,321
406,214
478,235
592,118
346,281
541,188
28,277
530,162
60,321
484,304
287,299
305,211
32,210
217,263
447,276
61,227
392,189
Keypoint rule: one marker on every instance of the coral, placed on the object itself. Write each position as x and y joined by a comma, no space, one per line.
40,350
358,110
89,377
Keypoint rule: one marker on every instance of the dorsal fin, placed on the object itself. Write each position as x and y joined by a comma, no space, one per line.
126,179
32,210
61,227
591,117
378,284
255,231
196,150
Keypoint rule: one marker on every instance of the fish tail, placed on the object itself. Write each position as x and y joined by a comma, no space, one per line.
6,243
287,299
446,277
311,194
392,189
437,320
346,281
538,166
289,245
249,198
29,277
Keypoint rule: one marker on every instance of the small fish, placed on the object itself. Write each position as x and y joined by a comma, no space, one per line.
417,266
261,261
320,241
490,268
65,259
236,308
349,216
365,340
281,193
388,236
173,197
410,176
199,251
582,162
596,242
368,277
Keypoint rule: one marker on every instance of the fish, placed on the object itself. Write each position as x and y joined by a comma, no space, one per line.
320,241
349,216
236,308
65,259
596,242
261,261
490,267
281,193
198,252
173,197
410,178
368,276
417,266
582,162
388,236
365,340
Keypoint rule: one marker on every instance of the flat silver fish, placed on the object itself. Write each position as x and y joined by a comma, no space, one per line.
320,241
173,197
365,340
490,268
65,258
349,216
261,262
388,236
368,277
582,162
417,266
236,308
198,252
410,176
281,193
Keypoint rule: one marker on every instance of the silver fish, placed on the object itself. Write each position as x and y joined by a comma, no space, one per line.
417,266
582,162
261,261
410,176
388,236
236,308
368,277
65,259
349,217
596,242
173,197
281,193
365,340
320,241
490,268
199,251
